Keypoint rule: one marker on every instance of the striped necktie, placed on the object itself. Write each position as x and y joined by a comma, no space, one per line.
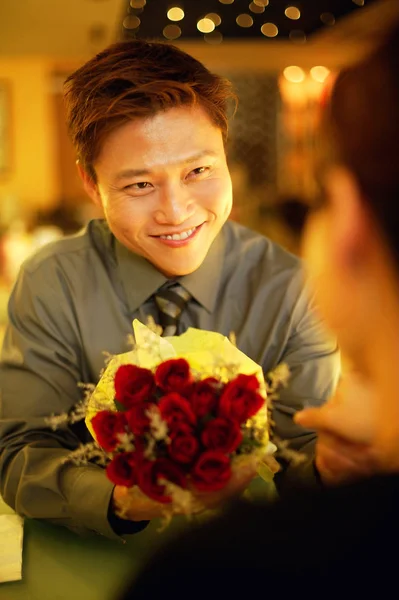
171,301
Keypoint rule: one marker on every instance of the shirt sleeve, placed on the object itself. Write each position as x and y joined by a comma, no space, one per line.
313,358
41,366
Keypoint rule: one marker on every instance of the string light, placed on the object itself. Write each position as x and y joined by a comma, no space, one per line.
205,25
292,12
294,74
244,20
175,14
172,32
319,74
131,22
215,18
269,29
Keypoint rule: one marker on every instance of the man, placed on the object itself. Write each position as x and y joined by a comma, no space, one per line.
149,124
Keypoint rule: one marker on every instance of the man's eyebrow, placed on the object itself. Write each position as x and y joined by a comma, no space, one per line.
142,172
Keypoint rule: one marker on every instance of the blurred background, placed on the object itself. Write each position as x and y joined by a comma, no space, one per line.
278,54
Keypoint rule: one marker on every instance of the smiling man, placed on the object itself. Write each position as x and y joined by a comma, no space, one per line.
149,124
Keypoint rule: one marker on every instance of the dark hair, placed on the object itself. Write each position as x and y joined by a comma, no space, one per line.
136,79
360,129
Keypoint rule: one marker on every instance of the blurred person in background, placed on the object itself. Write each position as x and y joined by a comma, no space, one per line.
347,532
149,124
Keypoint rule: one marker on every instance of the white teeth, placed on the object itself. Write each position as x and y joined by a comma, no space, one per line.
178,236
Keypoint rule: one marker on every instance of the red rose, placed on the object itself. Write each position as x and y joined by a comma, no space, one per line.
173,375
150,474
204,396
222,434
137,418
122,469
211,472
133,385
107,424
183,445
240,399
175,409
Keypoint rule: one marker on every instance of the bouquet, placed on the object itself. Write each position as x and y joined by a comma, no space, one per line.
177,415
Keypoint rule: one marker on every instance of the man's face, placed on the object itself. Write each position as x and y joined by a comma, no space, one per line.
165,188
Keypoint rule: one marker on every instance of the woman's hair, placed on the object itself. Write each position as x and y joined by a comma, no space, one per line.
360,130
137,79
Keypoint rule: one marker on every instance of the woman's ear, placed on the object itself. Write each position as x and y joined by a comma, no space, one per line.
89,185
350,220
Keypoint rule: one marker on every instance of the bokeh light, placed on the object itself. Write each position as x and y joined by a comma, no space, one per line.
172,32
205,25
269,29
255,8
175,14
244,20
215,18
131,22
327,18
319,73
292,12
294,74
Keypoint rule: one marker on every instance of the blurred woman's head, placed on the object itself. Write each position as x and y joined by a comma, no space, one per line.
351,243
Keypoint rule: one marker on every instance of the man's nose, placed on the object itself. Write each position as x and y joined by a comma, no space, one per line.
175,205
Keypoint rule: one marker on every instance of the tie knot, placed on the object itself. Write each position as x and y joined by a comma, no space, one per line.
171,300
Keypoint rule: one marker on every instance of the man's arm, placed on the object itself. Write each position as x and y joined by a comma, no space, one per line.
314,362
42,364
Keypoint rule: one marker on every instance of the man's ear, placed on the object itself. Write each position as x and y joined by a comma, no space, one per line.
350,220
89,185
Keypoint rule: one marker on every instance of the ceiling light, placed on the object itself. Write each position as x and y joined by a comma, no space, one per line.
269,29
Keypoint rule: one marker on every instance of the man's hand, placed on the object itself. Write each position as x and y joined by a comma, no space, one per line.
345,449
132,504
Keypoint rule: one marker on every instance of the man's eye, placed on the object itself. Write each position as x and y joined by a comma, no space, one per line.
199,171
141,185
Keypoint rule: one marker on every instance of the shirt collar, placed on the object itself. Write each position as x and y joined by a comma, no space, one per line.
141,279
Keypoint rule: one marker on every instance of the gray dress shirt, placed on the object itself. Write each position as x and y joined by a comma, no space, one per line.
76,299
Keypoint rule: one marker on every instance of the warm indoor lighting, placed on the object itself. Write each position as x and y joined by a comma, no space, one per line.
244,20
205,25
327,18
138,3
319,74
294,74
261,2
269,29
226,1
292,12
255,8
131,22
172,32
215,18
214,38
175,14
